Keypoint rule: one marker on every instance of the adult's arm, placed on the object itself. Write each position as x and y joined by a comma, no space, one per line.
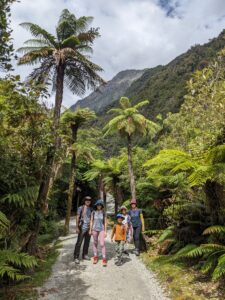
142,222
91,223
78,220
105,225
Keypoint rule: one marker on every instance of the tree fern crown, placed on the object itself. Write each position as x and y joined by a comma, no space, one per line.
69,48
129,121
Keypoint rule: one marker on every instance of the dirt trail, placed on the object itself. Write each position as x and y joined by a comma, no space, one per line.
94,282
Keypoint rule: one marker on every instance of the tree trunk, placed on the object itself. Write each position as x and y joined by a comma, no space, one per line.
47,173
42,198
130,168
71,182
115,194
104,197
215,201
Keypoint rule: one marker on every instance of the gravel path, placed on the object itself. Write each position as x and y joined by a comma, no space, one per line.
93,282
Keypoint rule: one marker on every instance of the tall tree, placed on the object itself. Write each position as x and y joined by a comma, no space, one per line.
128,123
63,59
74,120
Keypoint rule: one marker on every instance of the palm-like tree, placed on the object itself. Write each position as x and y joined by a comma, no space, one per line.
75,120
129,122
109,171
62,60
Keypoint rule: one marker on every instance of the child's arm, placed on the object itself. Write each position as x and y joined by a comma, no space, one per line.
113,233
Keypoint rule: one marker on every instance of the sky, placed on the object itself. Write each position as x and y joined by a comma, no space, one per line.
135,34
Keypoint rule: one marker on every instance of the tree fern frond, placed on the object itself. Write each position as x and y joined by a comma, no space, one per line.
167,233
4,222
184,251
220,268
141,104
39,32
214,229
216,155
213,246
198,251
11,262
23,198
211,262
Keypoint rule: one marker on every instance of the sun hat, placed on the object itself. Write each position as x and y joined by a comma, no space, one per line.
99,202
120,216
133,201
123,207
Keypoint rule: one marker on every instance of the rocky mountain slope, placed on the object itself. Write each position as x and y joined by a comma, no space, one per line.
111,91
164,86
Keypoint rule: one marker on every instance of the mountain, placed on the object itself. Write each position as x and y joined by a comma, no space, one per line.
164,86
110,92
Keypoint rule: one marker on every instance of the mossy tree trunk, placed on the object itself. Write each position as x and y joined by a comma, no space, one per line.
72,181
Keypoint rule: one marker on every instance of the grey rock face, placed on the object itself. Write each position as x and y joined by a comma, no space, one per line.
110,92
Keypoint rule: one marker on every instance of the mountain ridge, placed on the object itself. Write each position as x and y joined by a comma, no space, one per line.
163,85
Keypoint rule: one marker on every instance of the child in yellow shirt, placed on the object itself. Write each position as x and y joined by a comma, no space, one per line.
119,235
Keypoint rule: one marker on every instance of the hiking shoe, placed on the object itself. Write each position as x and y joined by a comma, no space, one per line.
119,263
137,253
104,262
86,257
95,259
76,260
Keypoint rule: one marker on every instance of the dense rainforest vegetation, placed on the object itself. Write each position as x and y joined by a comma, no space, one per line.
50,158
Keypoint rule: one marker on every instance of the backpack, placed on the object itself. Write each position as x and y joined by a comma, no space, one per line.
81,219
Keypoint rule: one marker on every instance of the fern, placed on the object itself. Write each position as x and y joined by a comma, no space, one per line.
214,229
153,232
11,262
217,154
167,234
220,268
184,251
23,198
211,262
4,222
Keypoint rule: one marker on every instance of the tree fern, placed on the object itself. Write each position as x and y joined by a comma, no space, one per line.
12,263
22,198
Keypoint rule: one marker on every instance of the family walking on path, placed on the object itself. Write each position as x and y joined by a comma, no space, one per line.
93,222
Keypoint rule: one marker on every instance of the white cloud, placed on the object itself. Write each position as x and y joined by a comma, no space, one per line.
134,33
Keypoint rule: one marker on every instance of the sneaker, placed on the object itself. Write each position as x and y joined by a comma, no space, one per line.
95,259
119,263
86,257
76,260
126,253
137,253
104,262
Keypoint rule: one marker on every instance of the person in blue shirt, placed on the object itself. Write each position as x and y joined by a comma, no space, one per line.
137,221
82,228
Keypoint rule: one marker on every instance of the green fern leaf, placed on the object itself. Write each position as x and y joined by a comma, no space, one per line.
214,229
